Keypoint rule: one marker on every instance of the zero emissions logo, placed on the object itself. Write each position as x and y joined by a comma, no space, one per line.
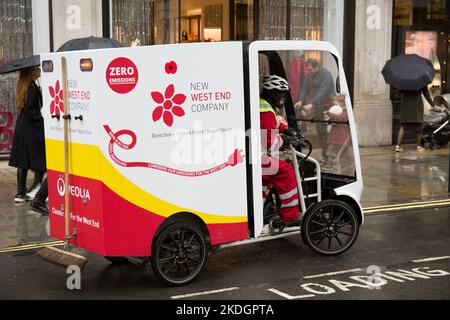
122,75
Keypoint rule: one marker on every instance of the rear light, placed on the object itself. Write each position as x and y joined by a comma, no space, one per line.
47,66
86,65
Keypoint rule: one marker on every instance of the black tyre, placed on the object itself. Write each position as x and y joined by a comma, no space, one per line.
179,253
117,260
330,227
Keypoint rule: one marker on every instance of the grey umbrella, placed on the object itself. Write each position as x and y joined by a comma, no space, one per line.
19,64
89,43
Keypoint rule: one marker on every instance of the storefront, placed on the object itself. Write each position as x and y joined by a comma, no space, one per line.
16,41
179,21
422,27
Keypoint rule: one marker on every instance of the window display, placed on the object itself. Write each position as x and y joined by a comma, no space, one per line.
16,41
132,25
424,44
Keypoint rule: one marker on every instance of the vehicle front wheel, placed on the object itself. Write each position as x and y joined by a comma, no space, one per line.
179,253
330,227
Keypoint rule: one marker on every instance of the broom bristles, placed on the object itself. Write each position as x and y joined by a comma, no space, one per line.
62,258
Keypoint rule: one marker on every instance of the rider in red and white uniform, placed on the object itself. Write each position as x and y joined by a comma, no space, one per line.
277,173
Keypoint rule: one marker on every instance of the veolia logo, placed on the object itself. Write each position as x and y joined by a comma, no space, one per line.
74,191
61,186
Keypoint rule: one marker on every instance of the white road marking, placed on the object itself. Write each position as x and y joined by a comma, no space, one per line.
289,297
203,293
333,273
431,259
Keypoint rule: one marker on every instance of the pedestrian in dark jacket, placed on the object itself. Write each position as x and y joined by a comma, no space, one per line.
315,97
28,147
411,115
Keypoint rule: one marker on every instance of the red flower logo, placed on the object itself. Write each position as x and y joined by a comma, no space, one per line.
57,104
171,67
169,105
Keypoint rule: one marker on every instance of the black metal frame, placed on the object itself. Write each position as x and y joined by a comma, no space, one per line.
106,19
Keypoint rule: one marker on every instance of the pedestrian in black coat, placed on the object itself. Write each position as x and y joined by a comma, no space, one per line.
411,115
28,147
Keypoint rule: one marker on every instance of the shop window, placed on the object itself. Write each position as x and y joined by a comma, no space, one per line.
307,20
167,20
205,20
272,20
132,22
16,41
243,26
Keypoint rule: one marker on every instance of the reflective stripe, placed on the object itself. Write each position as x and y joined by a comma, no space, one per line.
290,204
264,106
278,123
288,195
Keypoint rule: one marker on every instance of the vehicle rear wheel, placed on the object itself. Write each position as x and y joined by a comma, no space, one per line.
179,253
330,227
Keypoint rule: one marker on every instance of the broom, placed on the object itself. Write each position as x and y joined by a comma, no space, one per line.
53,255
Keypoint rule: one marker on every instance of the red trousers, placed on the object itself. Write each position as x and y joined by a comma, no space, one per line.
283,180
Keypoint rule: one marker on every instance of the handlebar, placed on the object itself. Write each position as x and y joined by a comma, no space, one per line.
303,142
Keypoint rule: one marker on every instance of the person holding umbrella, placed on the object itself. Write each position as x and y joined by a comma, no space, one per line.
411,115
28,146
410,74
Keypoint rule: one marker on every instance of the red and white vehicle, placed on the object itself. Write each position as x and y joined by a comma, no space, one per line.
164,154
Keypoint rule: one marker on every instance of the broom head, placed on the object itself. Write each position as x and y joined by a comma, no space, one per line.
61,257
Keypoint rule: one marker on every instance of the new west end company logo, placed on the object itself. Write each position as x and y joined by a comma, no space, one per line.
57,96
75,191
168,104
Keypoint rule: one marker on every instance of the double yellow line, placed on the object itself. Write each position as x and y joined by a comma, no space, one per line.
406,206
368,210
32,246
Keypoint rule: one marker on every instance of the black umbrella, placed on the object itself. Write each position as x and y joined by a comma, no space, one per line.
89,43
19,64
408,72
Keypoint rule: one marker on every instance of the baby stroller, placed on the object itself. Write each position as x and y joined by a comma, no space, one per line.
436,130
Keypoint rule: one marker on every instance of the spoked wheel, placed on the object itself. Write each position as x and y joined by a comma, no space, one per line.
179,253
330,227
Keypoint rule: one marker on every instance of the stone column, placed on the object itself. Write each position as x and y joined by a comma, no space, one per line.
76,19
372,106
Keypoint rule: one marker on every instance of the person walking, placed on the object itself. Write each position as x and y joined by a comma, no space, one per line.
38,203
28,146
315,97
411,115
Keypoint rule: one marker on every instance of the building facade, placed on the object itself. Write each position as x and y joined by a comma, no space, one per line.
367,33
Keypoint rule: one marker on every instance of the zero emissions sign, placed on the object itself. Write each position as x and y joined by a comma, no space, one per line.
122,75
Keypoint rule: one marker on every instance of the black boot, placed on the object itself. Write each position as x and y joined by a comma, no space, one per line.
38,176
21,195
38,204
293,223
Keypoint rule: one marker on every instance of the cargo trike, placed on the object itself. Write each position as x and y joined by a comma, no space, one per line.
161,160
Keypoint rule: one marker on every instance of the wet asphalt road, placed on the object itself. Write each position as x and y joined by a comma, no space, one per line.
274,270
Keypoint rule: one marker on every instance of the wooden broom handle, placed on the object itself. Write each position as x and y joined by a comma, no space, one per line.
66,147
